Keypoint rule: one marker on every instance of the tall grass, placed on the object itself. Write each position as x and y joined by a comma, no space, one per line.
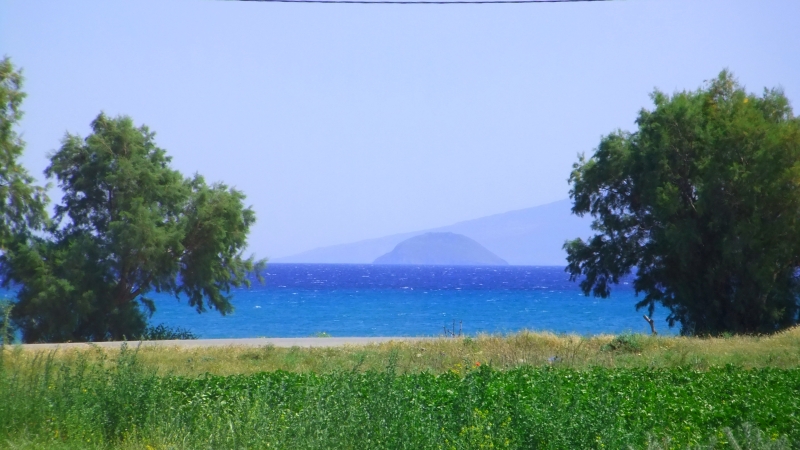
119,402
445,354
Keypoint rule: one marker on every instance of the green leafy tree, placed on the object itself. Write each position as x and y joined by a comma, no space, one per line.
128,225
702,204
22,203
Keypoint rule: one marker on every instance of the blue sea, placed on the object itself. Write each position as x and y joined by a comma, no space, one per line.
301,300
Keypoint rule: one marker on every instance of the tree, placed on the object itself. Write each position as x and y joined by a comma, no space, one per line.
128,225
21,202
702,204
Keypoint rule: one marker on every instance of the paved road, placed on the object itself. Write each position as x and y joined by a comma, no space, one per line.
254,342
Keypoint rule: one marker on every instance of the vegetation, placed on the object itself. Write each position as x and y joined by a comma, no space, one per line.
122,402
163,332
443,355
128,225
702,203
21,202
6,332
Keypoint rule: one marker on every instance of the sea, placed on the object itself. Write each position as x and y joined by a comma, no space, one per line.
304,300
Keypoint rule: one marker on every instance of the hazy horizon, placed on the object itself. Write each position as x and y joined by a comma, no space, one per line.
349,122
526,237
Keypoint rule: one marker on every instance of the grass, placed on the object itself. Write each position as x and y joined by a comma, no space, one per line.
525,390
442,355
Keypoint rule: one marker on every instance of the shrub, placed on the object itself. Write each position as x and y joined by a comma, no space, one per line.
163,332
624,343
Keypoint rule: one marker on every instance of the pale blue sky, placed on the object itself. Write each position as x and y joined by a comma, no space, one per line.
346,122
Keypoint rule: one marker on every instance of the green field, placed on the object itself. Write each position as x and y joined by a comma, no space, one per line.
610,396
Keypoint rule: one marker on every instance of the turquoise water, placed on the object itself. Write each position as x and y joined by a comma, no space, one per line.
301,300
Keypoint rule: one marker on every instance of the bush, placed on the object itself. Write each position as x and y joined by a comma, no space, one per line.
624,343
163,332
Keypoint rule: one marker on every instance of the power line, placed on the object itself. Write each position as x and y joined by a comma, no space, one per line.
425,2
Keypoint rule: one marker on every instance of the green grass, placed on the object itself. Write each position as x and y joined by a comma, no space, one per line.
119,401
444,355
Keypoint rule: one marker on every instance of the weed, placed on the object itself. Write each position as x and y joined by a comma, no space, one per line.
116,401
746,437
625,343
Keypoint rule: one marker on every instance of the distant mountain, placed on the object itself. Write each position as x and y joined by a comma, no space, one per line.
531,236
441,249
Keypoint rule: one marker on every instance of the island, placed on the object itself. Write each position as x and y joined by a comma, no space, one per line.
449,249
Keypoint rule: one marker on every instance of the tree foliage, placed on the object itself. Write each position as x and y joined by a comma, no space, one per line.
128,225
702,204
21,202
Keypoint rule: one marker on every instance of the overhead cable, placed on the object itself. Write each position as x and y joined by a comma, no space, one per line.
425,2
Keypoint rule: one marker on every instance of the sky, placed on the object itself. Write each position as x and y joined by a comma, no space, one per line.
349,122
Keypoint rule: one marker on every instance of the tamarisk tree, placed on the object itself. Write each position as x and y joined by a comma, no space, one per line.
22,203
702,204
128,225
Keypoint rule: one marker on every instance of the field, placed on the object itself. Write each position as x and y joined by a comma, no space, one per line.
521,391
